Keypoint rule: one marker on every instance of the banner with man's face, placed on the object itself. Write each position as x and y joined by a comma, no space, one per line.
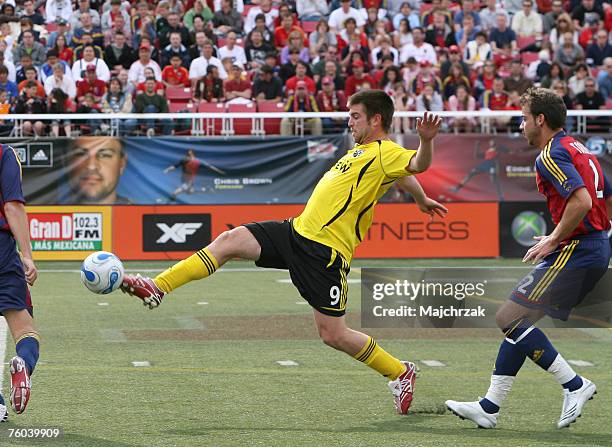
249,170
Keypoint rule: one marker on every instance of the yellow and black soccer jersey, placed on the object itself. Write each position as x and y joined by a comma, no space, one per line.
340,209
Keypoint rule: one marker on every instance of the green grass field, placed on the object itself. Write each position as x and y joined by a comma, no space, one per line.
214,380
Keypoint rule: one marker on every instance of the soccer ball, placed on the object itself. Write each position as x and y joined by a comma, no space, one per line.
102,272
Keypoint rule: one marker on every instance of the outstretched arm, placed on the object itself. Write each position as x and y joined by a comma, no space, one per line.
429,206
427,128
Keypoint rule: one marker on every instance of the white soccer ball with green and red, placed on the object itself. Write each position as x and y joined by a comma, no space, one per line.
102,272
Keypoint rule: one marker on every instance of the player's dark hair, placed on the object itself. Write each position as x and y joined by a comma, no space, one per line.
542,101
375,101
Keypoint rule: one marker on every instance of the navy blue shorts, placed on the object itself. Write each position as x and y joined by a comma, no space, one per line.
562,280
14,292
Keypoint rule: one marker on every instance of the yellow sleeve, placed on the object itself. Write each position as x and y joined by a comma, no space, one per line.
395,160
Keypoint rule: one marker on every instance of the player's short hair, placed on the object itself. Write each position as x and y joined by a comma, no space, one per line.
375,101
542,101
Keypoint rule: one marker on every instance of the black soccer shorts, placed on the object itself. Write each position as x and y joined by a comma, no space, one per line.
319,272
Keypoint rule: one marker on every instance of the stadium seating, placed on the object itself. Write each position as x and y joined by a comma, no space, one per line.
528,57
242,126
210,126
524,42
271,125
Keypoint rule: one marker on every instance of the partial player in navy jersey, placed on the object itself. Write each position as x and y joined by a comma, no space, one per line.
17,271
571,260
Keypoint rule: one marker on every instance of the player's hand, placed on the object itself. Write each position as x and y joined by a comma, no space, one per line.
30,270
428,126
433,208
545,246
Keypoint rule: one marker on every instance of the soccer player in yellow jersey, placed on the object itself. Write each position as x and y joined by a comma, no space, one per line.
317,246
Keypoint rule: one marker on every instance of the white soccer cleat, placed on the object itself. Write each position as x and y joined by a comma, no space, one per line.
573,401
473,412
3,413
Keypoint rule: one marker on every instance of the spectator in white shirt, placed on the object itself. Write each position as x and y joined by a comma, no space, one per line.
61,81
136,75
419,49
384,47
231,50
338,17
312,9
265,8
527,23
197,69
58,9
89,58
477,51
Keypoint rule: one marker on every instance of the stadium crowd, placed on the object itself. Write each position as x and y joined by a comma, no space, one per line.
94,56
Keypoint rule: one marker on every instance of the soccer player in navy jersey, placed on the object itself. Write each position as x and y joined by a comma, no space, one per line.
17,270
571,261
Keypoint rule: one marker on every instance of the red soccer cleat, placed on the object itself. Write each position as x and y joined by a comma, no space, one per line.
403,388
20,384
143,288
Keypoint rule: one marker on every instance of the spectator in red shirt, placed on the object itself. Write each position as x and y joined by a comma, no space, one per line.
175,74
484,81
30,75
63,50
330,100
301,69
160,88
496,99
91,84
237,89
357,78
588,32
281,33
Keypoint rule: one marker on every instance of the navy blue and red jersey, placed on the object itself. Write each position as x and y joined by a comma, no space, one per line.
10,190
10,182
565,165
14,292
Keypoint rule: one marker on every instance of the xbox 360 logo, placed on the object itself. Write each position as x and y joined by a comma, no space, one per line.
526,225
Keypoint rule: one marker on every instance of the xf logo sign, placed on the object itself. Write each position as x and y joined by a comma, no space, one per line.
177,233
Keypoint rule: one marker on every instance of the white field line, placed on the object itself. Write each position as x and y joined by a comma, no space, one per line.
258,269
287,363
433,363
